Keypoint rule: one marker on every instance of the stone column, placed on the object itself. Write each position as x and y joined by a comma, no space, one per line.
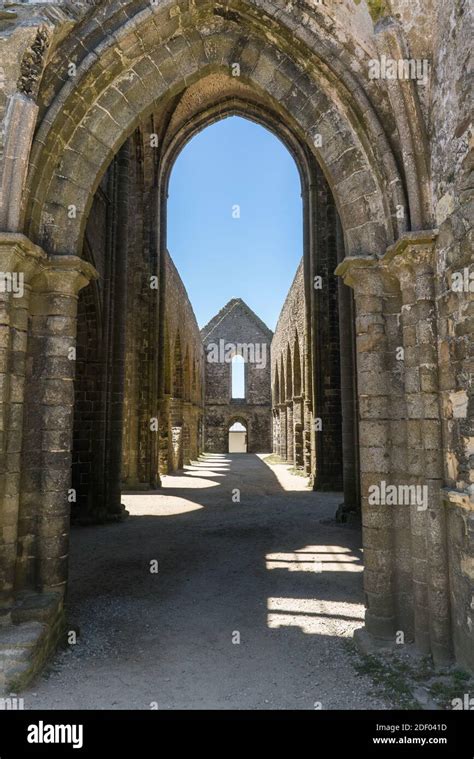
19,260
412,259
309,435
278,432
325,340
118,284
193,431
283,432
290,448
398,456
187,426
163,433
48,427
350,440
298,421
365,276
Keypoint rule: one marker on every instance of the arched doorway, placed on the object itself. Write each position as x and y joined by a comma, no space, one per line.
154,166
306,86
237,438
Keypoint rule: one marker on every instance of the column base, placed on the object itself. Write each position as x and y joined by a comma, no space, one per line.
368,644
85,519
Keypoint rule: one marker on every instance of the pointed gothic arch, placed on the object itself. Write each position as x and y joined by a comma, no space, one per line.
302,74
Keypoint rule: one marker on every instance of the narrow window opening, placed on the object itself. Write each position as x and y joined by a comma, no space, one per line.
238,377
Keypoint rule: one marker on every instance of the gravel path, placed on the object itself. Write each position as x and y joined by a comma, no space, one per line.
273,571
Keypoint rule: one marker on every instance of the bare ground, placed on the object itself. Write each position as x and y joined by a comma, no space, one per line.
273,571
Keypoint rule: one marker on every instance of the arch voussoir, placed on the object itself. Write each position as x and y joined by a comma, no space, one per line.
113,90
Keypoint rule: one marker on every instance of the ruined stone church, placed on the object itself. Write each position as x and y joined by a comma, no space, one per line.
237,334
104,382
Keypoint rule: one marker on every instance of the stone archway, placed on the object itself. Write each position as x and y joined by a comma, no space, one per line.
206,43
138,66
238,435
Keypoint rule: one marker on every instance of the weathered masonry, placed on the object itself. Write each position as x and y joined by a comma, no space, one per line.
292,412
127,428
96,102
181,397
237,336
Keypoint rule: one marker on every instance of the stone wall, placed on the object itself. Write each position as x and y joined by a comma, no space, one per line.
181,405
308,412
291,402
236,325
124,427
89,436
140,448
450,120
99,386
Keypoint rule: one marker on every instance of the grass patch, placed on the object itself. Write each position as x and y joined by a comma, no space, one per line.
454,685
298,472
397,678
273,458
391,680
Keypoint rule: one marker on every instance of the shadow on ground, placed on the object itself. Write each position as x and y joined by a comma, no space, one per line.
256,591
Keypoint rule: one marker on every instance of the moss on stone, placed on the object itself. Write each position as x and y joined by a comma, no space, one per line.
377,8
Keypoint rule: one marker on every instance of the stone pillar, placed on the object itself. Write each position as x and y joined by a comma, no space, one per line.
175,455
163,433
290,436
277,432
283,432
193,431
298,421
48,422
365,276
274,432
350,432
309,435
187,426
118,284
324,335
398,456
412,260
19,261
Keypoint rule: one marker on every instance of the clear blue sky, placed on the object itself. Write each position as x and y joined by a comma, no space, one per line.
254,257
